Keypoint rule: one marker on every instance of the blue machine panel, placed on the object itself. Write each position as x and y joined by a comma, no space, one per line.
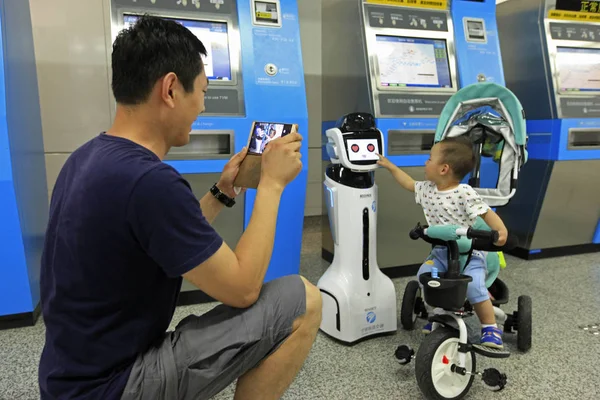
23,190
477,42
272,73
549,139
279,97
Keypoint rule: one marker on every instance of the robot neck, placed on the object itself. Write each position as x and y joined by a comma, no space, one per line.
347,177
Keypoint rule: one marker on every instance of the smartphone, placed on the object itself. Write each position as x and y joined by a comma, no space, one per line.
260,135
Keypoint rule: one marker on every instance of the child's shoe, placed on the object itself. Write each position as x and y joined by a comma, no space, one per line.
492,337
427,328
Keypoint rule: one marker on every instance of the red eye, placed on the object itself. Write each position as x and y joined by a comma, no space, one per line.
355,148
371,148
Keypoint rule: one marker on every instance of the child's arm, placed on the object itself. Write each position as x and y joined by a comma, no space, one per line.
400,176
494,222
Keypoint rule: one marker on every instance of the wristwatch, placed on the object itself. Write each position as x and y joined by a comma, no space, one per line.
222,197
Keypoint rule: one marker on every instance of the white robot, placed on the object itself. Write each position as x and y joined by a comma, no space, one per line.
359,301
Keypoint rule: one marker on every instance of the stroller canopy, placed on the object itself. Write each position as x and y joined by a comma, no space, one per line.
493,119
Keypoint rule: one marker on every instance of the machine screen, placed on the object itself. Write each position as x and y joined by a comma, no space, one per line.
264,132
214,37
475,30
266,11
412,62
362,149
579,69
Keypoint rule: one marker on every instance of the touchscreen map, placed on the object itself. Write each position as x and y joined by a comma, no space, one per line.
407,62
362,149
579,69
213,36
264,132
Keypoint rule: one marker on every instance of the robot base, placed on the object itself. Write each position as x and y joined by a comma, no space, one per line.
354,311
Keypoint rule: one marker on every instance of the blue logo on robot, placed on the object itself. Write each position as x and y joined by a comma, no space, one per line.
371,317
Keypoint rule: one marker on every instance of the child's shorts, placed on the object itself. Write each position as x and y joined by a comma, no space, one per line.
477,269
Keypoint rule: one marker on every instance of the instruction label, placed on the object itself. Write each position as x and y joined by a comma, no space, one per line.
436,4
574,16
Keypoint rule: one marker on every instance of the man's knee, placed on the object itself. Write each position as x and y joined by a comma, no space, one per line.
314,304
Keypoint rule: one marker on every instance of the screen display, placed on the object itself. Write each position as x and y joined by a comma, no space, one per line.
266,11
476,30
408,62
363,149
213,36
264,132
579,69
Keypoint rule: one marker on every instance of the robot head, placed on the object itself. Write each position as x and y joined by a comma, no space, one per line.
355,142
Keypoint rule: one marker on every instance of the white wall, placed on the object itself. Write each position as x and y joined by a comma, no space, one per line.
310,31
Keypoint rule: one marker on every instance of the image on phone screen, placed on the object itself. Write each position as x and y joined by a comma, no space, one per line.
264,132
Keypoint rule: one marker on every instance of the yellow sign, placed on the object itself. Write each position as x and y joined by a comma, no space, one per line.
437,4
260,14
573,16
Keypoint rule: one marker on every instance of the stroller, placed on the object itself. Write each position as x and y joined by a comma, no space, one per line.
493,119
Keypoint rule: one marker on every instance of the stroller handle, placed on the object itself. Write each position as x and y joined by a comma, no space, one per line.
483,237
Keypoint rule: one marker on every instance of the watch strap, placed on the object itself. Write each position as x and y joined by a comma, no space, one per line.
222,197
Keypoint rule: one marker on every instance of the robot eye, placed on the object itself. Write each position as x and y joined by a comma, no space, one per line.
371,148
355,148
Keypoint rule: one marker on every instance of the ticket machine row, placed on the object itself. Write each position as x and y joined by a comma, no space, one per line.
401,61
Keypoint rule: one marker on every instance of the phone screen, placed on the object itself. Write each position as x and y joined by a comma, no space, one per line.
264,132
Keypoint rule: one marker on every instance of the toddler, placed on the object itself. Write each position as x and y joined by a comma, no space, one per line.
446,201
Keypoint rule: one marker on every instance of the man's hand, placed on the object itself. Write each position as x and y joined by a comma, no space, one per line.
232,168
281,161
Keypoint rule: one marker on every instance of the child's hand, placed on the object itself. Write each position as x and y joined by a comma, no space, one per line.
384,162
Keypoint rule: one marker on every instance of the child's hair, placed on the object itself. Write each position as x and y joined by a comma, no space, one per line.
458,153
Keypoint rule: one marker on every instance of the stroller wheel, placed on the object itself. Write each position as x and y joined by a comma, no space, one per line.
524,323
411,304
435,363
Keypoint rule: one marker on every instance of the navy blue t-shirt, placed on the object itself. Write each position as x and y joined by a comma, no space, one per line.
123,228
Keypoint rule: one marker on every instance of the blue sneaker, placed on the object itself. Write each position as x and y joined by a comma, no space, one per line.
492,337
427,328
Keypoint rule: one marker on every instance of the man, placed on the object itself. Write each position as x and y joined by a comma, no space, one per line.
125,228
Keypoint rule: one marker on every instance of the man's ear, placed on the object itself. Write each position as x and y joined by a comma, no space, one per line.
168,86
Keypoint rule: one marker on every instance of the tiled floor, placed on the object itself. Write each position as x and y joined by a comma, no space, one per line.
562,364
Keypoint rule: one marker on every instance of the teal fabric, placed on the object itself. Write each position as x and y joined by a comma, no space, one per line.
486,90
443,232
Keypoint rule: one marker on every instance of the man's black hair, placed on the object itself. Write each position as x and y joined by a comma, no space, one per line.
147,51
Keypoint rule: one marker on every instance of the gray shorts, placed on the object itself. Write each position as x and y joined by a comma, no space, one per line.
207,353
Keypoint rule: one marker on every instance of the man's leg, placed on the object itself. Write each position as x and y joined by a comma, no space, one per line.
262,347
271,378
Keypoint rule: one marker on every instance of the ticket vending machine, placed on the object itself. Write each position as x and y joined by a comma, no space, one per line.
255,69
23,193
398,63
401,62
479,59
552,63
